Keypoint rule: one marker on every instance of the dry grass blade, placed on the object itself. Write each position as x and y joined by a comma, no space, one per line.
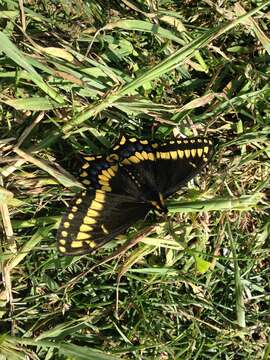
63,179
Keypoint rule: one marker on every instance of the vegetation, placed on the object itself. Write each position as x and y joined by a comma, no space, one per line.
73,75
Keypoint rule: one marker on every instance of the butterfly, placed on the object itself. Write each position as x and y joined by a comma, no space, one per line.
136,176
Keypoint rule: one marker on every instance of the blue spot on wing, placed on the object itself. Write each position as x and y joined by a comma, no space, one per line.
131,148
125,153
139,146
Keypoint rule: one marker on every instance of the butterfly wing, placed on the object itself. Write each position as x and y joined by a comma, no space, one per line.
129,169
94,218
138,158
178,161
124,186
162,167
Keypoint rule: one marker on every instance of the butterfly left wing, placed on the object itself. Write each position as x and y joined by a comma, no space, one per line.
137,157
95,217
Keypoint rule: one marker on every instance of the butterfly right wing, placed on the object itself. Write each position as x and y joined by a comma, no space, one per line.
179,160
95,217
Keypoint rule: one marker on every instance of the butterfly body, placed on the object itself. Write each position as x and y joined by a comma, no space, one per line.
135,177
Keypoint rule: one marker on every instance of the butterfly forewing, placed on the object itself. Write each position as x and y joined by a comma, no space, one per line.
138,161
112,174
97,171
178,161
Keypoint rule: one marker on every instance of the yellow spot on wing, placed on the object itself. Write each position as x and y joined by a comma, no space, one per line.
106,188
206,149
139,155
85,166
114,167
66,224
187,153
70,216
100,196
84,174
180,154
134,159
116,147
74,209
92,244
106,173
62,249
144,142
173,155
151,156
162,155
122,140
126,162
86,182
96,205
193,152
102,182
200,152
85,228
144,155
78,201
92,213
89,220
83,236
165,155
64,233
132,139
62,241
89,158
111,172
76,244
103,178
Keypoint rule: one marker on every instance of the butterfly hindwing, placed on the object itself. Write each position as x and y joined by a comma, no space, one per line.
95,217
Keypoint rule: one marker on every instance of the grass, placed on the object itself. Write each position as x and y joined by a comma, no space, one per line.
73,75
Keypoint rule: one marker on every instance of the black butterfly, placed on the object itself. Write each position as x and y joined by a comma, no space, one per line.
134,178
